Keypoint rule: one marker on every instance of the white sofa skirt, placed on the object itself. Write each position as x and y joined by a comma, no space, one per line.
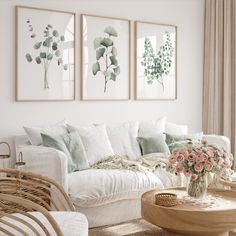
112,213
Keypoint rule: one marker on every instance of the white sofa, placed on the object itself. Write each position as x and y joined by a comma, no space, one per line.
104,196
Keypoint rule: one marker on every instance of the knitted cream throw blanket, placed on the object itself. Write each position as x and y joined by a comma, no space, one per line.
148,162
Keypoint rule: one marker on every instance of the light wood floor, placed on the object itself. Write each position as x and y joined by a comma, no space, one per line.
138,227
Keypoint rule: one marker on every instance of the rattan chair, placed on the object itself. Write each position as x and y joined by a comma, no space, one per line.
32,204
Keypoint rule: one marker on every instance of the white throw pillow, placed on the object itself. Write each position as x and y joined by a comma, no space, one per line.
34,133
152,128
123,139
95,141
172,128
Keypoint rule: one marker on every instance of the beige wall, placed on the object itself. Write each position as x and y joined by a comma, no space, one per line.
188,15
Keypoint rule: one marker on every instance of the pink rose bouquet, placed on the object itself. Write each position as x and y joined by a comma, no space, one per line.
198,159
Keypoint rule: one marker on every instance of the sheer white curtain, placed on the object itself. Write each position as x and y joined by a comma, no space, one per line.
219,96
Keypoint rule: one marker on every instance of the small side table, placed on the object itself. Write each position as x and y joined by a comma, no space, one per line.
20,164
5,158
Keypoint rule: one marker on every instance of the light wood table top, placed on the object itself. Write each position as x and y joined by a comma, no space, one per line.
214,215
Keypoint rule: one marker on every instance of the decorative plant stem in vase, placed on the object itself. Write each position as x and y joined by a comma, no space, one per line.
197,188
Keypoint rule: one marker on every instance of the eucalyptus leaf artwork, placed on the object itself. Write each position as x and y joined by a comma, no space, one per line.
156,61
106,56
46,50
157,64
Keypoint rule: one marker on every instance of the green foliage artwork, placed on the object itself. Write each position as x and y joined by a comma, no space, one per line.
47,50
157,64
106,56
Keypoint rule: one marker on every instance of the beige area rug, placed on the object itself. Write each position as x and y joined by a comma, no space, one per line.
138,227
135,228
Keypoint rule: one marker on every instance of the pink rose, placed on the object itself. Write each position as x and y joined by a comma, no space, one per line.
186,154
182,150
179,167
191,157
208,166
180,158
194,177
198,167
220,162
187,172
210,153
204,157
198,159
197,149
173,159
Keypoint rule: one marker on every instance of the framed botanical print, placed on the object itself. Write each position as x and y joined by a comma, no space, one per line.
45,55
105,58
156,61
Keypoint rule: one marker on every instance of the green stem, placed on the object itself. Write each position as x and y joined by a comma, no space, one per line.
106,79
105,86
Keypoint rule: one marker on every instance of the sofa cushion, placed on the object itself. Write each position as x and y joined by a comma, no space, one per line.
34,133
96,142
171,138
154,144
123,139
71,144
175,129
152,128
94,187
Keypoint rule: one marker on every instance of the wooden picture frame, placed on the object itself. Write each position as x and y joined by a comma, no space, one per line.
98,82
45,55
156,78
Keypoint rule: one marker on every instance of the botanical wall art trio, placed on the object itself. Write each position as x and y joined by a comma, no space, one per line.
45,57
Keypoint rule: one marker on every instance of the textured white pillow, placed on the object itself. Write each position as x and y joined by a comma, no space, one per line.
123,139
95,141
172,128
34,133
152,128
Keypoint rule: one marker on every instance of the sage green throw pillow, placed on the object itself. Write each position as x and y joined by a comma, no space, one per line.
181,144
71,144
153,144
172,138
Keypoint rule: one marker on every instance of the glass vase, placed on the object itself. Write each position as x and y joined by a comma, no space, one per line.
197,188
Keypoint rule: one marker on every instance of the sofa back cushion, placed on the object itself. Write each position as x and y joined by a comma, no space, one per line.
171,138
95,140
152,128
34,133
72,146
123,139
154,144
175,129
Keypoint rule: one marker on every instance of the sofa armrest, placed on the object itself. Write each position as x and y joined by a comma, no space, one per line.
46,161
222,141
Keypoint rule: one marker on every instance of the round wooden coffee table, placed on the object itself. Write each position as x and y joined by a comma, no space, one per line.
213,216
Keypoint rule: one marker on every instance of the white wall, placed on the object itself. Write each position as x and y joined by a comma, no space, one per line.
188,15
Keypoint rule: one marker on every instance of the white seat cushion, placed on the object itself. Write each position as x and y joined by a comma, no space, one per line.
96,187
70,223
